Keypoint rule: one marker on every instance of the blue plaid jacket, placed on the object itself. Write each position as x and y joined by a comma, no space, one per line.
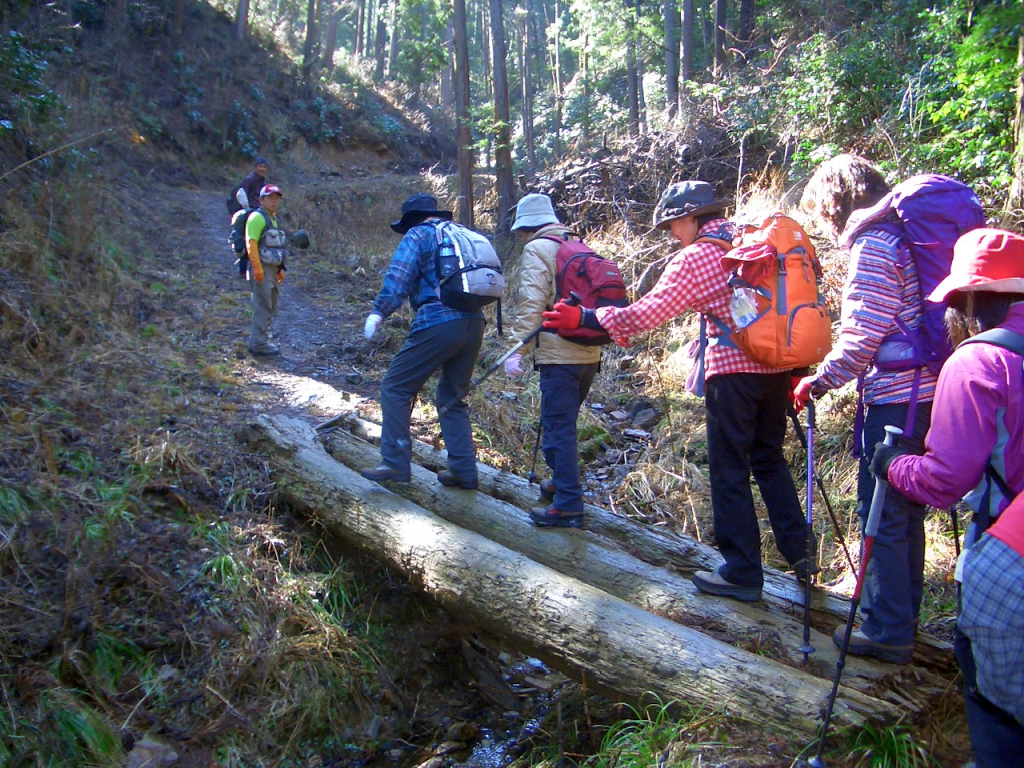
412,275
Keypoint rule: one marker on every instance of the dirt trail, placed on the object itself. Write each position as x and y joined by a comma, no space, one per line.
318,325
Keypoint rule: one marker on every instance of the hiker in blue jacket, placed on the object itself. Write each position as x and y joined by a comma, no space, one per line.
440,337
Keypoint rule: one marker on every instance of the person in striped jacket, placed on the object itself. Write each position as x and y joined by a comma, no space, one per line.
877,296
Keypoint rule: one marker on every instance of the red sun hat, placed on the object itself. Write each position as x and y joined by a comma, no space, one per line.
984,260
270,189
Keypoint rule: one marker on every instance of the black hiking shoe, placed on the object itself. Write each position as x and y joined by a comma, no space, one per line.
862,645
267,351
547,490
448,478
553,518
711,583
800,571
384,472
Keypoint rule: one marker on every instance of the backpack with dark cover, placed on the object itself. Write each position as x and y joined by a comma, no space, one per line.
232,202
777,308
468,268
928,213
237,235
596,280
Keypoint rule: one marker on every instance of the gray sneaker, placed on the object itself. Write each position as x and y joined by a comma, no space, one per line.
862,645
712,583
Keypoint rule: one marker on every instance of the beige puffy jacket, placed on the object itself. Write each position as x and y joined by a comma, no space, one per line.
536,294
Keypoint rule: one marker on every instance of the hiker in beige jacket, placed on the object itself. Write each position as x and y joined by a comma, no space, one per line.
566,369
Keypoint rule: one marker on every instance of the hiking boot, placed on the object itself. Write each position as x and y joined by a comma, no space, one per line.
267,351
384,472
446,477
862,645
712,583
800,571
553,518
547,490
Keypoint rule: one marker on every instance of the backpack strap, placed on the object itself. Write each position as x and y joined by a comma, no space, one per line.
1014,342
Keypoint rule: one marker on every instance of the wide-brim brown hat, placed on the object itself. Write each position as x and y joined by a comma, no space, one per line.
687,198
417,208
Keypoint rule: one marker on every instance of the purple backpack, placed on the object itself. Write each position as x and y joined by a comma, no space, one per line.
928,213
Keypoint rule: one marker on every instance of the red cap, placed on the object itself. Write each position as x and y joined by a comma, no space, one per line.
270,189
984,260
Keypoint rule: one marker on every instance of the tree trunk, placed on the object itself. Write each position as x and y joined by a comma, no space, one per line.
357,44
746,30
557,74
686,39
632,78
526,76
447,74
720,20
380,43
1015,199
503,175
464,135
671,9
241,22
586,121
618,648
393,43
332,39
310,46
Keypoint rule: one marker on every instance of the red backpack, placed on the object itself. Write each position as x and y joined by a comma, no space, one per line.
596,280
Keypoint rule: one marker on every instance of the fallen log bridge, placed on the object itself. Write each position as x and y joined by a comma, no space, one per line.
613,641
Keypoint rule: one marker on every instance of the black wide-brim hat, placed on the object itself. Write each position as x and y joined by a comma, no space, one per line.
416,209
687,198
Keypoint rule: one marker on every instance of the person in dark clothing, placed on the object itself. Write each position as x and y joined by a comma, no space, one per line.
248,195
439,337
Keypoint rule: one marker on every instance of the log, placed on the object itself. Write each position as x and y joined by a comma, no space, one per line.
619,649
599,561
659,547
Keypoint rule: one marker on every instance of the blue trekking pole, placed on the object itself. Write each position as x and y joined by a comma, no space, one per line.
870,531
806,649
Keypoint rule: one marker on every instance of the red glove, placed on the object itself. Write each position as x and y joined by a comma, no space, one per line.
800,392
563,316
794,382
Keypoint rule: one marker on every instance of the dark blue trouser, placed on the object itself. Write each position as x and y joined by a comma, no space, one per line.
563,388
453,347
746,424
997,739
894,582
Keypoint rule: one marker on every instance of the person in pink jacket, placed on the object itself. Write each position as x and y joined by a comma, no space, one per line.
974,450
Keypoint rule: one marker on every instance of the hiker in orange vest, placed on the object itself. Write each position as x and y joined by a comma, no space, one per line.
745,403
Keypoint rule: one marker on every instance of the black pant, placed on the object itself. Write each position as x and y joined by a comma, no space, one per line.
997,739
746,423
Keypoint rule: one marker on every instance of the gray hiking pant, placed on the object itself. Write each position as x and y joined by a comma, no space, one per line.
264,305
453,347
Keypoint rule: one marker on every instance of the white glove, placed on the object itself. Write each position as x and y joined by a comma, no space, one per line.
371,325
513,366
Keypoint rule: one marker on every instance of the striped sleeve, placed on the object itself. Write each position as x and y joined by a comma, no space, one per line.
872,299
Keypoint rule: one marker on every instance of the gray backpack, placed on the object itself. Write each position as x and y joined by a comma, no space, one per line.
468,269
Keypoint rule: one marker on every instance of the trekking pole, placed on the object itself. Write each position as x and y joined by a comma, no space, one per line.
956,543
870,530
824,496
572,301
532,477
806,649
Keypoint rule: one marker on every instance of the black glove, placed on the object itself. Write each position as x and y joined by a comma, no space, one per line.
588,319
884,456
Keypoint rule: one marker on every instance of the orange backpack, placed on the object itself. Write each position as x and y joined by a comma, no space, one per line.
776,305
